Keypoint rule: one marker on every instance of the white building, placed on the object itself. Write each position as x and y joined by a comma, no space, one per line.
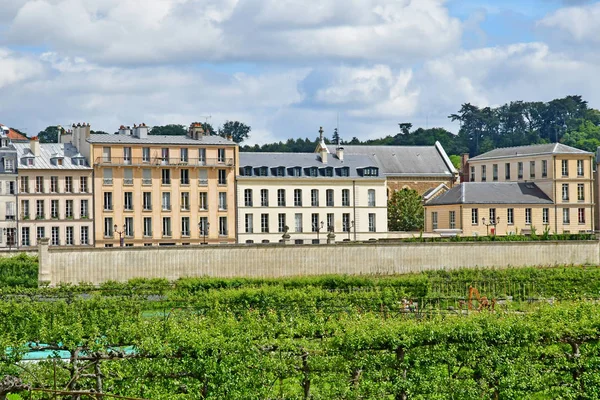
311,194
8,190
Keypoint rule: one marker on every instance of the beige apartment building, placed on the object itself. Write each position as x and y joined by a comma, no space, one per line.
546,186
54,197
161,190
318,197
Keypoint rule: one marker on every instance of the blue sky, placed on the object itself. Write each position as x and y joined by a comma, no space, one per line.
286,67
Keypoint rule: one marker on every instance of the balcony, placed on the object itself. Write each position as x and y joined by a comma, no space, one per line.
162,162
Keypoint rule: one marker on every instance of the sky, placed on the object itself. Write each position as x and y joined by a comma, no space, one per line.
287,67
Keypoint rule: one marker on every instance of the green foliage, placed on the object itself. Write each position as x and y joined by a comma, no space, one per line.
169,130
237,130
455,160
20,270
405,211
49,135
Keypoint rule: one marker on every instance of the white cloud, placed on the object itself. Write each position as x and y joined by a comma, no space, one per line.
577,23
15,68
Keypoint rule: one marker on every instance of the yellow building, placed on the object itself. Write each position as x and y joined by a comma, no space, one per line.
547,186
162,190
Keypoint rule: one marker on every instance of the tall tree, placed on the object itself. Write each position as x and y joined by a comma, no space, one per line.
405,211
169,130
49,135
237,130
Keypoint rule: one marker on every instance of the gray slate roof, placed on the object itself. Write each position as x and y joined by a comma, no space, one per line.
492,193
531,150
306,160
47,151
159,139
406,160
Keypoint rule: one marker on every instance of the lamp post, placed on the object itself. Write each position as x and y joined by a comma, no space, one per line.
349,226
318,227
121,238
493,222
204,229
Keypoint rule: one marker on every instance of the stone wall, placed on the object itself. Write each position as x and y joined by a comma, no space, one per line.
121,264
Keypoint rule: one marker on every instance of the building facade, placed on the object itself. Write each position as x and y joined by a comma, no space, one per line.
539,187
54,195
310,196
8,190
161,190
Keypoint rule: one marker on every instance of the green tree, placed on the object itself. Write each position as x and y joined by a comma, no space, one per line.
169,130
49,135
455,160
237,130
405,211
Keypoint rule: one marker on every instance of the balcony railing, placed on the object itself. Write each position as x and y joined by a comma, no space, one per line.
159,162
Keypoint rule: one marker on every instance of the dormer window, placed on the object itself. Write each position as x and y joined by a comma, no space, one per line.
327,171
280,171
27,161
344,171
247,171
371,171
262,171
56,159
4,142
295,171
312,171
77,161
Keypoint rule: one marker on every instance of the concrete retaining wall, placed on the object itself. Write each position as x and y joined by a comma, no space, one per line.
120,264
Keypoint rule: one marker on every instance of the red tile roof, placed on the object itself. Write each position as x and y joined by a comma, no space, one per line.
14,135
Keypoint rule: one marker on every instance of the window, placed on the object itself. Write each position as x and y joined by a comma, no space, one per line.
581,215
39,184
281,197
11,187
281,222
248,197
492,215
520,170
475,216
166,176
371,222
472,179
106,154
434,220
166,201
298,197
580,192
85,234
346,224
68,184
185,225
344,171
312,171
166,226
145,154
545,216
329,197
346,197
108,227
249,223
69,209
330,222
10,210
510,216
108,203
164,156
220,155
452,219
314,197
296,171
147,226
298,222
544,168
203,201
222,226
532,169
202,156
495,172
83,184
483,173
314,222
24,184
565,167
371,197
184,176
128,201
566,216
579,167
222,177
222,200
128,227
54,184
528,216
147,201
40,212
264,223
204,226
107,176
25,236
264,197
372,171
53,209
55,236
203,177
9,164
25,209
183,155
185,201
69,236
146,177
84,209
126,155
41,232
565,192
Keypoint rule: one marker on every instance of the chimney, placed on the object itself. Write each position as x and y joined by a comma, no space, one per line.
84,134
230,138
124,130
339,152
140,131
66,137
34,145
322,148
196,130
464,167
